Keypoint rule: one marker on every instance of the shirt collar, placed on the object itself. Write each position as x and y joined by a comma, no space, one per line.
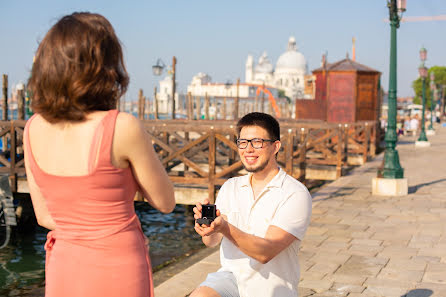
276,182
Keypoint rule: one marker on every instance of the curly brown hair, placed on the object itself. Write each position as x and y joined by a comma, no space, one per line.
78,68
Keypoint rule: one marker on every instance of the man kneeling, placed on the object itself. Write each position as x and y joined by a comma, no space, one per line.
261,219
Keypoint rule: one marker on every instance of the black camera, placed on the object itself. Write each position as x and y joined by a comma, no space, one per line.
208,214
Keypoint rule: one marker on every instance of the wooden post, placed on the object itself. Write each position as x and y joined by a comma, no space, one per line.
174,62
206,106
21,104
5,98
5,109
235,116
366,143
190,107
13,152
224,108
197,106
303,154
212,152
155,102
339,152
346,131
140,105
373,139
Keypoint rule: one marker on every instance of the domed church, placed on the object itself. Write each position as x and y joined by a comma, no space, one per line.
288,75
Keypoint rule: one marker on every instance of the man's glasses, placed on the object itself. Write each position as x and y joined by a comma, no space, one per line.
256,143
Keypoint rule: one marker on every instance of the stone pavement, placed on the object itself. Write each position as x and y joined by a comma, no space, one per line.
363,245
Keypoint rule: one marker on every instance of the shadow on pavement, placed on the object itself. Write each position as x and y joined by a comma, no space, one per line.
413,189
418,293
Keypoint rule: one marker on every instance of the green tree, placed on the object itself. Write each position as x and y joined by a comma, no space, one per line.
417,85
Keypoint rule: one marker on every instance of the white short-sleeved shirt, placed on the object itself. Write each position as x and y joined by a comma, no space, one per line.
285,203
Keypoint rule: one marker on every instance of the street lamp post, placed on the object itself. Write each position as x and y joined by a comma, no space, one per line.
157,70
422,140
390,180
432,87
392,168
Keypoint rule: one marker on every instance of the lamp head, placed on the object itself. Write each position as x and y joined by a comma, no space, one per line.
401,5
158,68
423,54
422,70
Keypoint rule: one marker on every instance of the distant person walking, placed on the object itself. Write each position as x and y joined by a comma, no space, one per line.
414,124
85,161
261,219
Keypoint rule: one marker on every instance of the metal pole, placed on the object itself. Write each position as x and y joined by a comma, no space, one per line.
423,132
174,62
392,168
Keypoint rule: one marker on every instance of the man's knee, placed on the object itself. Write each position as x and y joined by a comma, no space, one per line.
204,292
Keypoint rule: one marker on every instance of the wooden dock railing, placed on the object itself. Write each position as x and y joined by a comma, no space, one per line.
203,153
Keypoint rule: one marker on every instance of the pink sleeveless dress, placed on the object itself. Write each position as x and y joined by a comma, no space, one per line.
98,246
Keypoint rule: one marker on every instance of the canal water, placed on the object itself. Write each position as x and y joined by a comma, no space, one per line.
22,262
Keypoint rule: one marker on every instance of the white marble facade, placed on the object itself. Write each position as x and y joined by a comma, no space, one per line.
288,75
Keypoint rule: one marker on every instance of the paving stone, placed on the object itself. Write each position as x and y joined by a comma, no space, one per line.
363,266
330,294
324,267
305,292
381,282
316,231
397,252
409,264
316,285
312,275
346,278
439,252
333,246
384,291
323,257
401,274
347,288
435,273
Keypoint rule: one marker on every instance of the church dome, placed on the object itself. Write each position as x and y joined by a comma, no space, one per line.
264,65
291,59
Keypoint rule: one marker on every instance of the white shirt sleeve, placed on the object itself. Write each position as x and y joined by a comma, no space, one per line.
294,214
222,202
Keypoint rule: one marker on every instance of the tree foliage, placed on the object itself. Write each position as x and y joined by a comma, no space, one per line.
440,81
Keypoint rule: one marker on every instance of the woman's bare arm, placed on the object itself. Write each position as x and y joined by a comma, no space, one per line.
133,143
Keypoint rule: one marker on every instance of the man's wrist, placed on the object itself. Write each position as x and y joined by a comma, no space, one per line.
225,230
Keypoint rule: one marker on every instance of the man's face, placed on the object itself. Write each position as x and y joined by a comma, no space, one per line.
255,160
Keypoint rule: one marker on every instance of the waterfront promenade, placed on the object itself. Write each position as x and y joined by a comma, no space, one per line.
363,245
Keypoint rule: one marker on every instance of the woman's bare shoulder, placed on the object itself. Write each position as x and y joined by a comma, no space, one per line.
128,128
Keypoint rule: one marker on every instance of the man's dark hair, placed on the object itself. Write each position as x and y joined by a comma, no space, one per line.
263,120
79,68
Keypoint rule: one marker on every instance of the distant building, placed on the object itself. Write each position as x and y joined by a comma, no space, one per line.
289,74
346,91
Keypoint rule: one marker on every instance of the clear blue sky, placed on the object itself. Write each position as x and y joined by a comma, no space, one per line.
216,36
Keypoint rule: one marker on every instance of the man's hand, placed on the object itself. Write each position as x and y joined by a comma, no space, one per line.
215,227
211,235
